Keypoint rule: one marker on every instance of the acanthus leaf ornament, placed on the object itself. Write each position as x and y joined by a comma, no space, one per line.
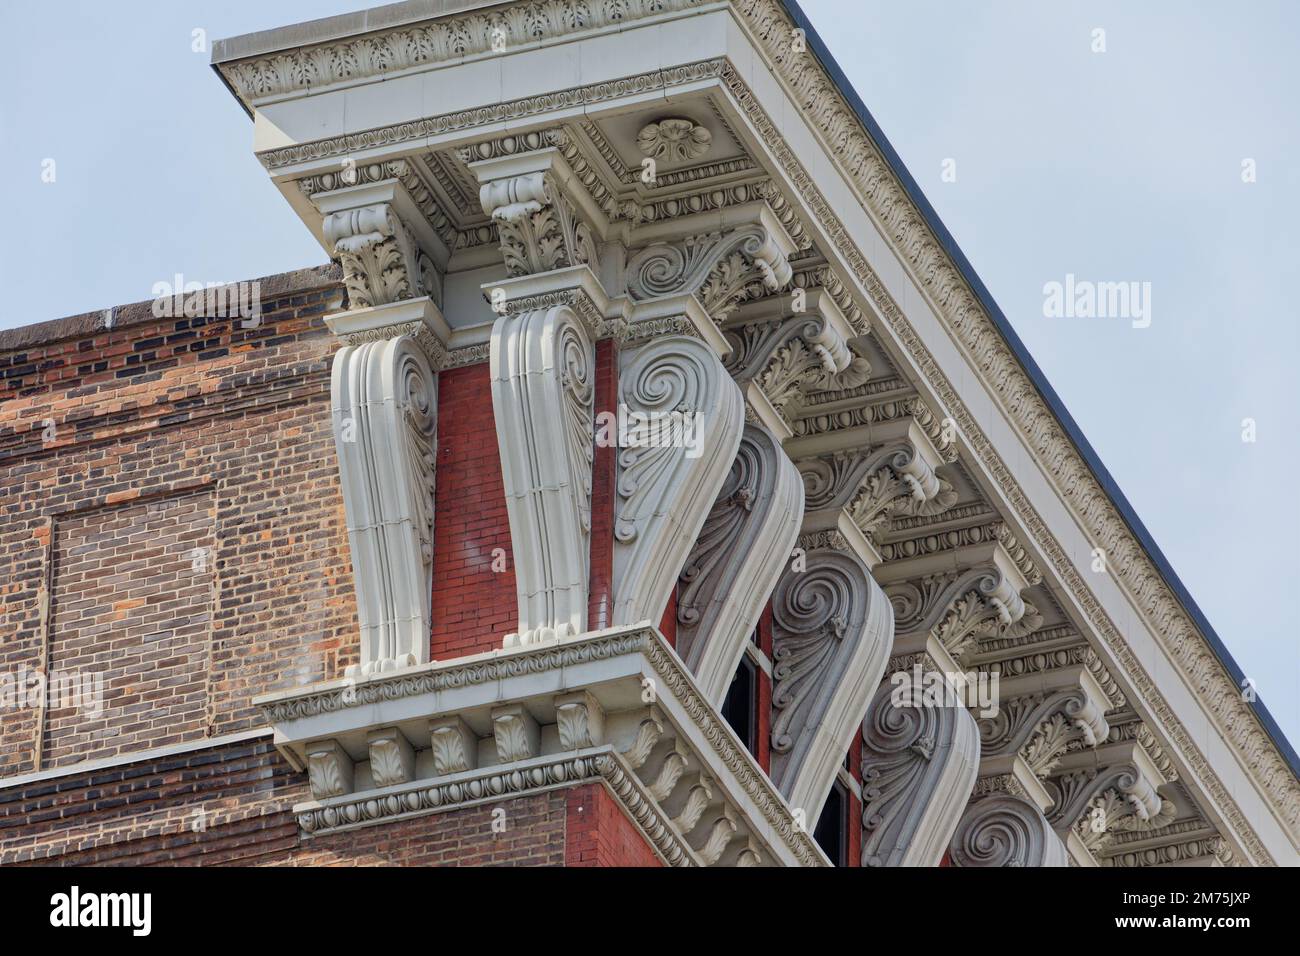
1039,727
1095,804
381,260
796,357
876,486
959,607
541,227
715,267
902,484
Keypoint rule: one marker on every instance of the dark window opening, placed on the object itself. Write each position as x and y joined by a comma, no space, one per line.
831,833
739,708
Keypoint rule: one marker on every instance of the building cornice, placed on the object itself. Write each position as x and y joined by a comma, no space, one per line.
946,282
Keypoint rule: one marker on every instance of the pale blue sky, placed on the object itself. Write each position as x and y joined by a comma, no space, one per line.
1123,165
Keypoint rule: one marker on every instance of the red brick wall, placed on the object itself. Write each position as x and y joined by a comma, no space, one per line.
474,607
168,433
533,835
668,623
600,834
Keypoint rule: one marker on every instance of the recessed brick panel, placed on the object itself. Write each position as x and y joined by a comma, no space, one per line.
132,619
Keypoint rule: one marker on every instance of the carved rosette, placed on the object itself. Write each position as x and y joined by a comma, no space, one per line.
385,397
1005,830
381,261
687,418
674,140
832,631
543,390
737,558
918,767
714,267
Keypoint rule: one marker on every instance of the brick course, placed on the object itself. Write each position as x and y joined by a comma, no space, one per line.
600,834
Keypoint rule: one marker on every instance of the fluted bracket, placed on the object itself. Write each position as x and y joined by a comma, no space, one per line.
384,396
543,390
1004,829
918,766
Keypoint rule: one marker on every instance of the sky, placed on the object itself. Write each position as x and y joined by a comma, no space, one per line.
1048,149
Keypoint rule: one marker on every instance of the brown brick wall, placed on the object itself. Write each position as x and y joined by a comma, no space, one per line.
600,833
226,803
168,432
172,524
232,804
